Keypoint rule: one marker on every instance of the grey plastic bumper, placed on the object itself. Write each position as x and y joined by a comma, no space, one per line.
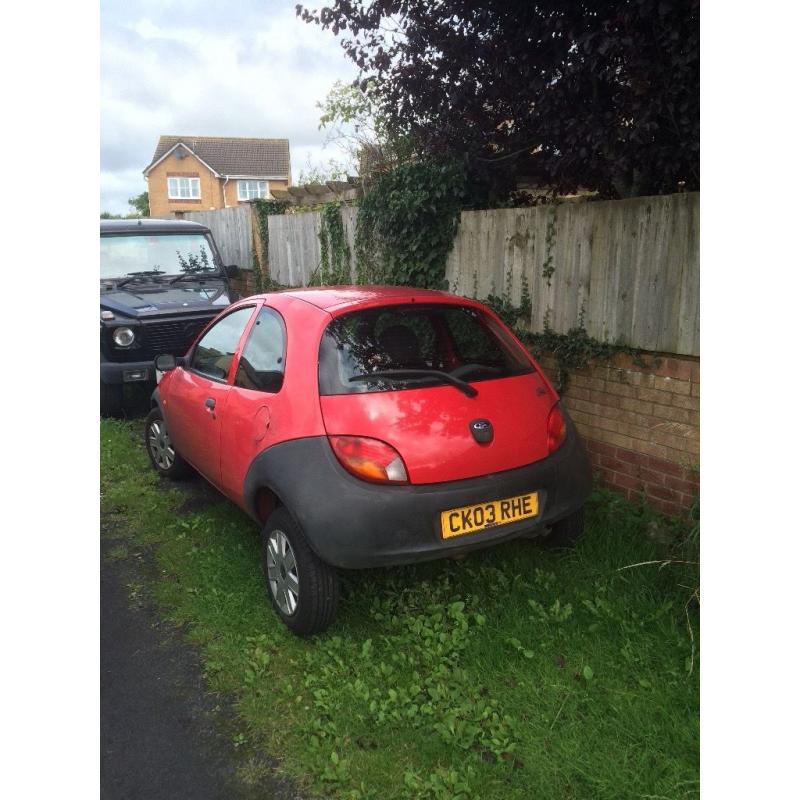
353,524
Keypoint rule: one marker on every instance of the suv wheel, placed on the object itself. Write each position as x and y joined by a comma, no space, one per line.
304,590
163,455
110,399
567,531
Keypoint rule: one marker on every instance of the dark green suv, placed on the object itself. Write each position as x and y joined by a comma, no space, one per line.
161,282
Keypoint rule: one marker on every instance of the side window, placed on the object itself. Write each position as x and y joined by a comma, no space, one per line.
262,364
214,353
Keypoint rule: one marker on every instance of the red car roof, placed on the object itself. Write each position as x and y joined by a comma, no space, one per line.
337,298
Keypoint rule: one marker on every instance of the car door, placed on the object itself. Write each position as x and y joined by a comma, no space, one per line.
198,393
255,413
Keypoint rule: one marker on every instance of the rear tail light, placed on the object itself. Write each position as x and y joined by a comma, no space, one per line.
556,429
369,459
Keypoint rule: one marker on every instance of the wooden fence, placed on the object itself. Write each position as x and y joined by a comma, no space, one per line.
294,249
629,268
232,230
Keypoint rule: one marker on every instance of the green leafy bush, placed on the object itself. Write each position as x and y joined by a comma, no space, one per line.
407,222
334,266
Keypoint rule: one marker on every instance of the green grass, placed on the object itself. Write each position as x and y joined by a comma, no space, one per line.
516,673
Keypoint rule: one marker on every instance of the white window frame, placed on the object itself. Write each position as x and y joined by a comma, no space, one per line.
175,188
262,189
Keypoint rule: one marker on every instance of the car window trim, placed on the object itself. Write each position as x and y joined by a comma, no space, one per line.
235,361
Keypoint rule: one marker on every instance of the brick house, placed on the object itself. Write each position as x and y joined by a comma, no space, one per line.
202,173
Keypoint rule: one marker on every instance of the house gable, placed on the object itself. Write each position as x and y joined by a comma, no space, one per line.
171,166
180,151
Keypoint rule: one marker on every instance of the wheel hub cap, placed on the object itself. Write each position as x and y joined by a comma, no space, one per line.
284,582
160,445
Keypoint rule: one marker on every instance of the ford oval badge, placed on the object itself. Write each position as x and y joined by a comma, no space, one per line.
482,430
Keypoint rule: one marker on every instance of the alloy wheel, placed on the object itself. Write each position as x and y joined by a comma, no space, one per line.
282,576
160,445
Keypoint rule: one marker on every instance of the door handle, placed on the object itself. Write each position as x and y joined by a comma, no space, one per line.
211,404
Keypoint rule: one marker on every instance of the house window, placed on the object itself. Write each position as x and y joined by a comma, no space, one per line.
250,190
183,188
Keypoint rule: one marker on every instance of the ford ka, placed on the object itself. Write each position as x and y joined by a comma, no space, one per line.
368,426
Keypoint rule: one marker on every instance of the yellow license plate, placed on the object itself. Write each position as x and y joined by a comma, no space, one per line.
469,519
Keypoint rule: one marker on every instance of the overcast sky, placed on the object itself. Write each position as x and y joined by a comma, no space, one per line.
187,67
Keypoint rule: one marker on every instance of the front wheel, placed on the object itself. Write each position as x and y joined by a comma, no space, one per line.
304,590
163,456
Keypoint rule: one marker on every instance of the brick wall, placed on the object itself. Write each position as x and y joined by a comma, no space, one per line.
641,425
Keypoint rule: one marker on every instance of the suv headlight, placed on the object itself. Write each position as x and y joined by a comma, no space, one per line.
123,337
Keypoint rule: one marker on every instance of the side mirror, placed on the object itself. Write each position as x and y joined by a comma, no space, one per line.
232,271
167,362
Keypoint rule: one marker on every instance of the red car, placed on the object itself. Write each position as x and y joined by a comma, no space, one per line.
367,426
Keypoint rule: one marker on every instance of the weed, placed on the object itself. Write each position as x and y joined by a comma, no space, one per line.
254,772
117,553
239,740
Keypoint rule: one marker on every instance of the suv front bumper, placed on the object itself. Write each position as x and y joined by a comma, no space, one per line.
128,372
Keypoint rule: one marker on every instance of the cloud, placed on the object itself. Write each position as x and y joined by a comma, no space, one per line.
189,67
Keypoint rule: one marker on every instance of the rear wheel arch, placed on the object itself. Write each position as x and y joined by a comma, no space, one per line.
264,502
262,491
285,471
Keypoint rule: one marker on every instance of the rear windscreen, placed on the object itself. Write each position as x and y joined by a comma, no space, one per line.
391,348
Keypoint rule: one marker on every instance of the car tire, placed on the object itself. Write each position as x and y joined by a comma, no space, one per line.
165,459
110,399
566,532
303,589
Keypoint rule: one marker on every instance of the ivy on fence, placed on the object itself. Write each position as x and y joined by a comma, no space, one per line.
334,266
262,209
572,350
407,222
548,268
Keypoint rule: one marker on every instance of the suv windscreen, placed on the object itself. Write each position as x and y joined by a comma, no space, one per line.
399,344
164,254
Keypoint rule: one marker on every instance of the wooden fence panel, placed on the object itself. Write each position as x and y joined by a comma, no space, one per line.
294,251
630,268
294,248
232,231
349,217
